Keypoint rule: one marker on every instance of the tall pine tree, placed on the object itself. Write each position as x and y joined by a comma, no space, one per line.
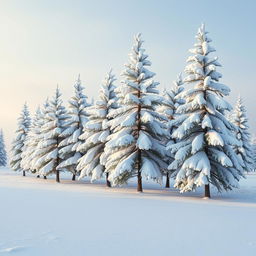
3,155
204,150
18,143
134,148
48,155
74,126
244,150
96,132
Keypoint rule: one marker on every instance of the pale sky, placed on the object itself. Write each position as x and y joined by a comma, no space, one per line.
48,42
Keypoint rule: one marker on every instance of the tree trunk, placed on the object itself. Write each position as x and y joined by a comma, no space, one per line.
74,177
167,184
107,181
207,191
45,177
139,186
58,162
38,176
57,176
24,173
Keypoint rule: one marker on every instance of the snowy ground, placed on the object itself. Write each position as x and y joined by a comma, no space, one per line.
39,217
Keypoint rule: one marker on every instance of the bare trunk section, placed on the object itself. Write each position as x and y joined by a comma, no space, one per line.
57,176
38,176
207,191
23,173
107,181
45,178
74,177
139,186
167,184
58,162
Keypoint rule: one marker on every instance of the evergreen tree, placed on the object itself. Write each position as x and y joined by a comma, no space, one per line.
18,143
134,147
47,151
253,143
74,126
96,132
39,138
169,107
31,142
176,90
204,150
244,149
3,155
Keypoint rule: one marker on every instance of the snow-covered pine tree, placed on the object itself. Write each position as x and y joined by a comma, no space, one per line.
3,155
48,155
39,138
253,143
176,90
169,107
244,150
96,132
134,148
31,142
204,150
78,117
18,143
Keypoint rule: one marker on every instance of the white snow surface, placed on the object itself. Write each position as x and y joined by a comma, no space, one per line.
39,217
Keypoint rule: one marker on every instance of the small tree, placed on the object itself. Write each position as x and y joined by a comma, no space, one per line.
39,138
176,90
169,107
96,132
135,147
48,155
31,142
244,149
3,155
18,143
74,126
204,150
253,144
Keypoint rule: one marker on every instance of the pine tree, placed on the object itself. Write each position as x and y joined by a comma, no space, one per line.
176,90
3,155
18,143
253,145
134,147
96,132
244,150
47,152
203,152
31,142
168,109
39,138
74,126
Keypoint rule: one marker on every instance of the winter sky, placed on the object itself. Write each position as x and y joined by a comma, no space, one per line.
48,42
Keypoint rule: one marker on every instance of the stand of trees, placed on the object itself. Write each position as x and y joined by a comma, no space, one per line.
134,131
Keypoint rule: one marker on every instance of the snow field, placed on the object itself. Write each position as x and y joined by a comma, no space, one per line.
41,217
